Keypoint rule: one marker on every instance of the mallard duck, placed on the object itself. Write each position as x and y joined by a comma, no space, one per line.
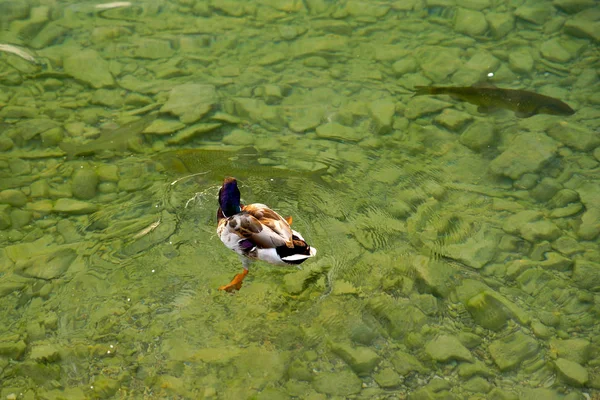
255,232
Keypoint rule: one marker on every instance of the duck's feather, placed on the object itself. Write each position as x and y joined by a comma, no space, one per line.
269,218
245,226
260,233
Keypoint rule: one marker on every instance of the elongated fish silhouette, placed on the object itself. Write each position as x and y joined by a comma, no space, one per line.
524,103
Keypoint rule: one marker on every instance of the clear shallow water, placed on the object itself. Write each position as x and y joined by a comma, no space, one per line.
458,251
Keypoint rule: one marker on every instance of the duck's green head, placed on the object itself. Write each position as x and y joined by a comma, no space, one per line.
229,197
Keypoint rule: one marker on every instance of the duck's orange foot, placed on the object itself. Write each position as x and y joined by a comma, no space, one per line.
236,282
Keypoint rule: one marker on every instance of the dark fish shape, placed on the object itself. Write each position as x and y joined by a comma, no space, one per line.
524,103
242,162
117,139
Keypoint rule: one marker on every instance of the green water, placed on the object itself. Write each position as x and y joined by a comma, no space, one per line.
458,252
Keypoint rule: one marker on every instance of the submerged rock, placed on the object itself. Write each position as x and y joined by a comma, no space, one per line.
571,372
528,152
405,363
75,207
476,251
510,351
47,266
586,274
387,378
472,23
361,359
478,136
89,67
589,194
190,101
576,350
84,183
14,197
445,347
343,383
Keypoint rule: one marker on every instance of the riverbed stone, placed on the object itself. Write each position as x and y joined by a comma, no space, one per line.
582,27
342,383
446,347
571,372
84,183
75,207
108,173
12,349
573,6
382,111
470,22
404,66
423,105
521,61
576,350
89,67
437,63
574,135
239,137
477,250
163,126
14,197
335,131
515,222
20,218
552,50
589,193
361,359
586,274
190,101
488,312
44,353
534,13
387,378
47,266
510,351
528,152
453,119
540,230
478,136
405,363
500,23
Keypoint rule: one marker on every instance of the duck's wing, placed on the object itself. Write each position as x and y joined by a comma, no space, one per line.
271,220
252,232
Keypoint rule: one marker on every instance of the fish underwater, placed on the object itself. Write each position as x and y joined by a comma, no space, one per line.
524,103
118,139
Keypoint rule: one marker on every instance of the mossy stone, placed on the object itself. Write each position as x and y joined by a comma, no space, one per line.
405,363
488,312
105,387
12,350
586,274
571,372
75,207
577,350
445,347
39,373
20,218
343,383
84,184
298,370
14,197
361,359
387,378
40,188
477,384
510,351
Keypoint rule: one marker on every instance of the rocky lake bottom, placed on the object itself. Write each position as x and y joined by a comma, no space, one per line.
458,252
